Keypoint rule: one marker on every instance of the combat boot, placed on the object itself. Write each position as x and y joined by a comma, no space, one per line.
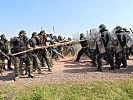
124,67
16,77
117,67
111,68
39,71
99,69
10,68
76,61
50,69
31,76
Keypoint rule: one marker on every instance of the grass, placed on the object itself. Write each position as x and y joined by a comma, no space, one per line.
97,90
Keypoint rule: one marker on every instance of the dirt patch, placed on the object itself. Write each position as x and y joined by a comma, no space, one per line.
66,70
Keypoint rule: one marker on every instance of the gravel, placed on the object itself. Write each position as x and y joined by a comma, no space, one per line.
66,70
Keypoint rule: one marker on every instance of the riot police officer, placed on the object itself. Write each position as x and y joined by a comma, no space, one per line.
102,48
84,49
105,35
120,55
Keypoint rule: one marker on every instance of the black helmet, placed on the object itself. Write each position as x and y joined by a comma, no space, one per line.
125,29
102,26
42,32
60,37
22,32
3,36
81,35
34,34
118,28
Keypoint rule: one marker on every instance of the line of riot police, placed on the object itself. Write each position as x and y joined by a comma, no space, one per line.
114,47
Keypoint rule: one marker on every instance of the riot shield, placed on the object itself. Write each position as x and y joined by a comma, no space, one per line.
129,39
91,39
100,42
115,42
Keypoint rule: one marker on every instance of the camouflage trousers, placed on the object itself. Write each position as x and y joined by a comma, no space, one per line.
24,59
48,59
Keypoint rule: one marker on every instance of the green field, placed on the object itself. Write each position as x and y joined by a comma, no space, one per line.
96,90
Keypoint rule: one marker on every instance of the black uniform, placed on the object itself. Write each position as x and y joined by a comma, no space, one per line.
120,57
84,49
106,41
99,53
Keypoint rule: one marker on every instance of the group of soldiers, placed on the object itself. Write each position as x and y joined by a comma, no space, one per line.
114,47
99,44
31,61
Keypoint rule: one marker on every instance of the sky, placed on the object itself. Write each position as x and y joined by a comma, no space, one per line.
67,16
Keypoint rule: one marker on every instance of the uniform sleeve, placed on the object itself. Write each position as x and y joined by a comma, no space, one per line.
124,41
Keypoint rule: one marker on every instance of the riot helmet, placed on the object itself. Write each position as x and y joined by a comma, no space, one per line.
81,35
125,30
118,28
102,27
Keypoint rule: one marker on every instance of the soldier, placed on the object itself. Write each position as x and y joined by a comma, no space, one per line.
34,42
84,49
44,52
120,55
20,44
6,51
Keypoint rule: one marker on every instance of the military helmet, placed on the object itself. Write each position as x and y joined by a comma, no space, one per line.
102,26
3,36
81,35
42,32
118,28
60,37
34,34
22,32
125,29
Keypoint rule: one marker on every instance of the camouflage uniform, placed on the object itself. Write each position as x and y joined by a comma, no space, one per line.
44,53
20,44
4,49
33,43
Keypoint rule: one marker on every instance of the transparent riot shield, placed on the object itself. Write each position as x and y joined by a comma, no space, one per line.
129,38
115,42
91,39
100,42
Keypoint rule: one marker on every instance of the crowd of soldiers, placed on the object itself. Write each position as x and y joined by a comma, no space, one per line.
114,47
32,61
99,44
